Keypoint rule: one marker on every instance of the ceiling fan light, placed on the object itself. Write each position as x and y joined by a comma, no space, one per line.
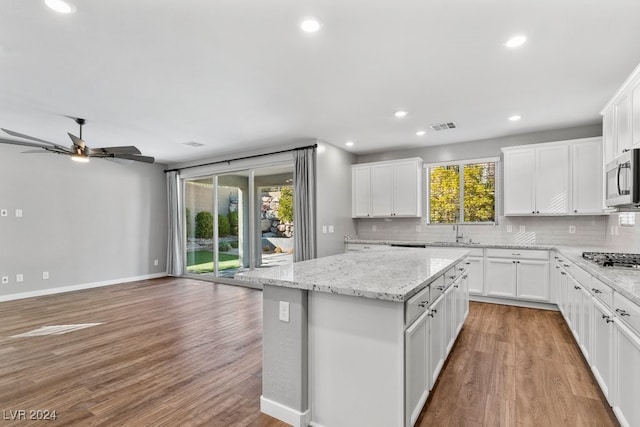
60,6
80,159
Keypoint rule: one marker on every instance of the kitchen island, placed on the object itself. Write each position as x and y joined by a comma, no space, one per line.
359,338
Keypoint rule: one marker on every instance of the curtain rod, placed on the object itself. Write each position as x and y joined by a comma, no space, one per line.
242,158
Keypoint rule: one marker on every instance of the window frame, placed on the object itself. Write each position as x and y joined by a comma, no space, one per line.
461,164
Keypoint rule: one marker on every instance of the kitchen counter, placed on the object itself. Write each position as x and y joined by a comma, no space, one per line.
626,281
391,274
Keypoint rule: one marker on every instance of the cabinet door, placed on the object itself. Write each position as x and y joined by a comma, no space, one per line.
563,296
623,120
602,354
417,363
475,280
519,182
575,299
436,339
552,179
635,116
586,324
627,375
382,190
459,291
501,277
450,325
407,189
533,280
587,174
361,188
609,134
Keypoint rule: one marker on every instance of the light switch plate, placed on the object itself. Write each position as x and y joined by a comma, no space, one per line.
45,275
324,229
155,262
522,228
284,311
18,213
4,212
331,229
19,278
572,229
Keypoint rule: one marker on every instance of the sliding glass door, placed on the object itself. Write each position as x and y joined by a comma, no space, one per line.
238,220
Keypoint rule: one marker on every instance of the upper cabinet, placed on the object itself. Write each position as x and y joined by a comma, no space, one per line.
621,118
554,178
387,189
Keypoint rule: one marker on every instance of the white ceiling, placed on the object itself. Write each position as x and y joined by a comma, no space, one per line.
239,74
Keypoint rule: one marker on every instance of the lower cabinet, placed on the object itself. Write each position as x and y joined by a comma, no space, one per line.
517,274
436,339
417,364
627,375
476,275
450,323
602,354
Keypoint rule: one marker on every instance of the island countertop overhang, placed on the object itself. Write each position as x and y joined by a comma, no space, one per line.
391,274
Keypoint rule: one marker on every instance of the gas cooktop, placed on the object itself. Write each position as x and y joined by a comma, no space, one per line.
613,259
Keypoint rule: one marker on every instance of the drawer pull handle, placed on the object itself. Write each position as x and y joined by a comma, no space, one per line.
455,286
596,291
607,319
441,288
460,268
563,273
423,304
465,276
468,263
515,254
452,277
622,312
566,265
577,288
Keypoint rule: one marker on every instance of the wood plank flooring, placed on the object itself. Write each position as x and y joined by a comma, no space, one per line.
515,366
183,352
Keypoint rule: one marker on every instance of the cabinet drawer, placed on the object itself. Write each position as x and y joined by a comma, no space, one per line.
518,253
416,305
437,287
450,275
627,311
603,292
578,273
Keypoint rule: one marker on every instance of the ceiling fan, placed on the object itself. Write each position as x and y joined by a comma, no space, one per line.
79,150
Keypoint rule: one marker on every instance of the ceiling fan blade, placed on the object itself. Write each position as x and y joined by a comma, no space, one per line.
35,151
145,159
76,141
33,144
119,161
21,135
116,150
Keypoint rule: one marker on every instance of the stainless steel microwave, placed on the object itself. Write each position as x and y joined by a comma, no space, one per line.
623,180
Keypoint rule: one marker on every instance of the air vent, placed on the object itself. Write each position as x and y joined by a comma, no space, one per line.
193,144
443,126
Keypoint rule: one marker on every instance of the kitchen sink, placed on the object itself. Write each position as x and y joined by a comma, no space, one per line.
456,243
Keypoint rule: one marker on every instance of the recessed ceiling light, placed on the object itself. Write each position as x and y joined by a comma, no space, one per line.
61,6
400,113
349,143
516,41
421,133
310,25
515,118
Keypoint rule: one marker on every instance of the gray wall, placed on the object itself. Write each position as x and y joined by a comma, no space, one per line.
333,198
83,223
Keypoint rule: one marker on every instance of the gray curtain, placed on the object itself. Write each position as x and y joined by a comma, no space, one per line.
304,204
175,250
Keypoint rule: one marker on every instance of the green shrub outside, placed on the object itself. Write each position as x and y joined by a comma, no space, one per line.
234,244
204,225
224,246
233,222
224,229
285,210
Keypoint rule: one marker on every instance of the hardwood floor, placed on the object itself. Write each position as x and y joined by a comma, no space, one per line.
515,366
169,352
182,352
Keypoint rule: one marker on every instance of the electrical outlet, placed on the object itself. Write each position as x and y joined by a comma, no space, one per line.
324,229
509,228
19,278
45,275
155,262
18,213
284,311
331,229
5,280
4,212
572,229
522,228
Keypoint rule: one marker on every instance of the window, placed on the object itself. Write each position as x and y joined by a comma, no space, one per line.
462,192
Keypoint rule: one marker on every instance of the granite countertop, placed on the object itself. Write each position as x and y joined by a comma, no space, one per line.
625,281
392,274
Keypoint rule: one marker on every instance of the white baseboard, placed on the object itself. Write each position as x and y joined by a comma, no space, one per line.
515,302
284,413
63,289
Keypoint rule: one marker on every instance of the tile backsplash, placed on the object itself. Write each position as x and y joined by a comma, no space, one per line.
621,238
588,231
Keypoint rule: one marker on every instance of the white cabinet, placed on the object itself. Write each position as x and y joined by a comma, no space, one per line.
635,117
522,274
536,180
417,365
462,301
609,133
627,375
623,124
451,325
387,189
586,177
436,339
602,354
475,281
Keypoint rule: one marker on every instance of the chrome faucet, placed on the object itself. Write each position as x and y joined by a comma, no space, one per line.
459,236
